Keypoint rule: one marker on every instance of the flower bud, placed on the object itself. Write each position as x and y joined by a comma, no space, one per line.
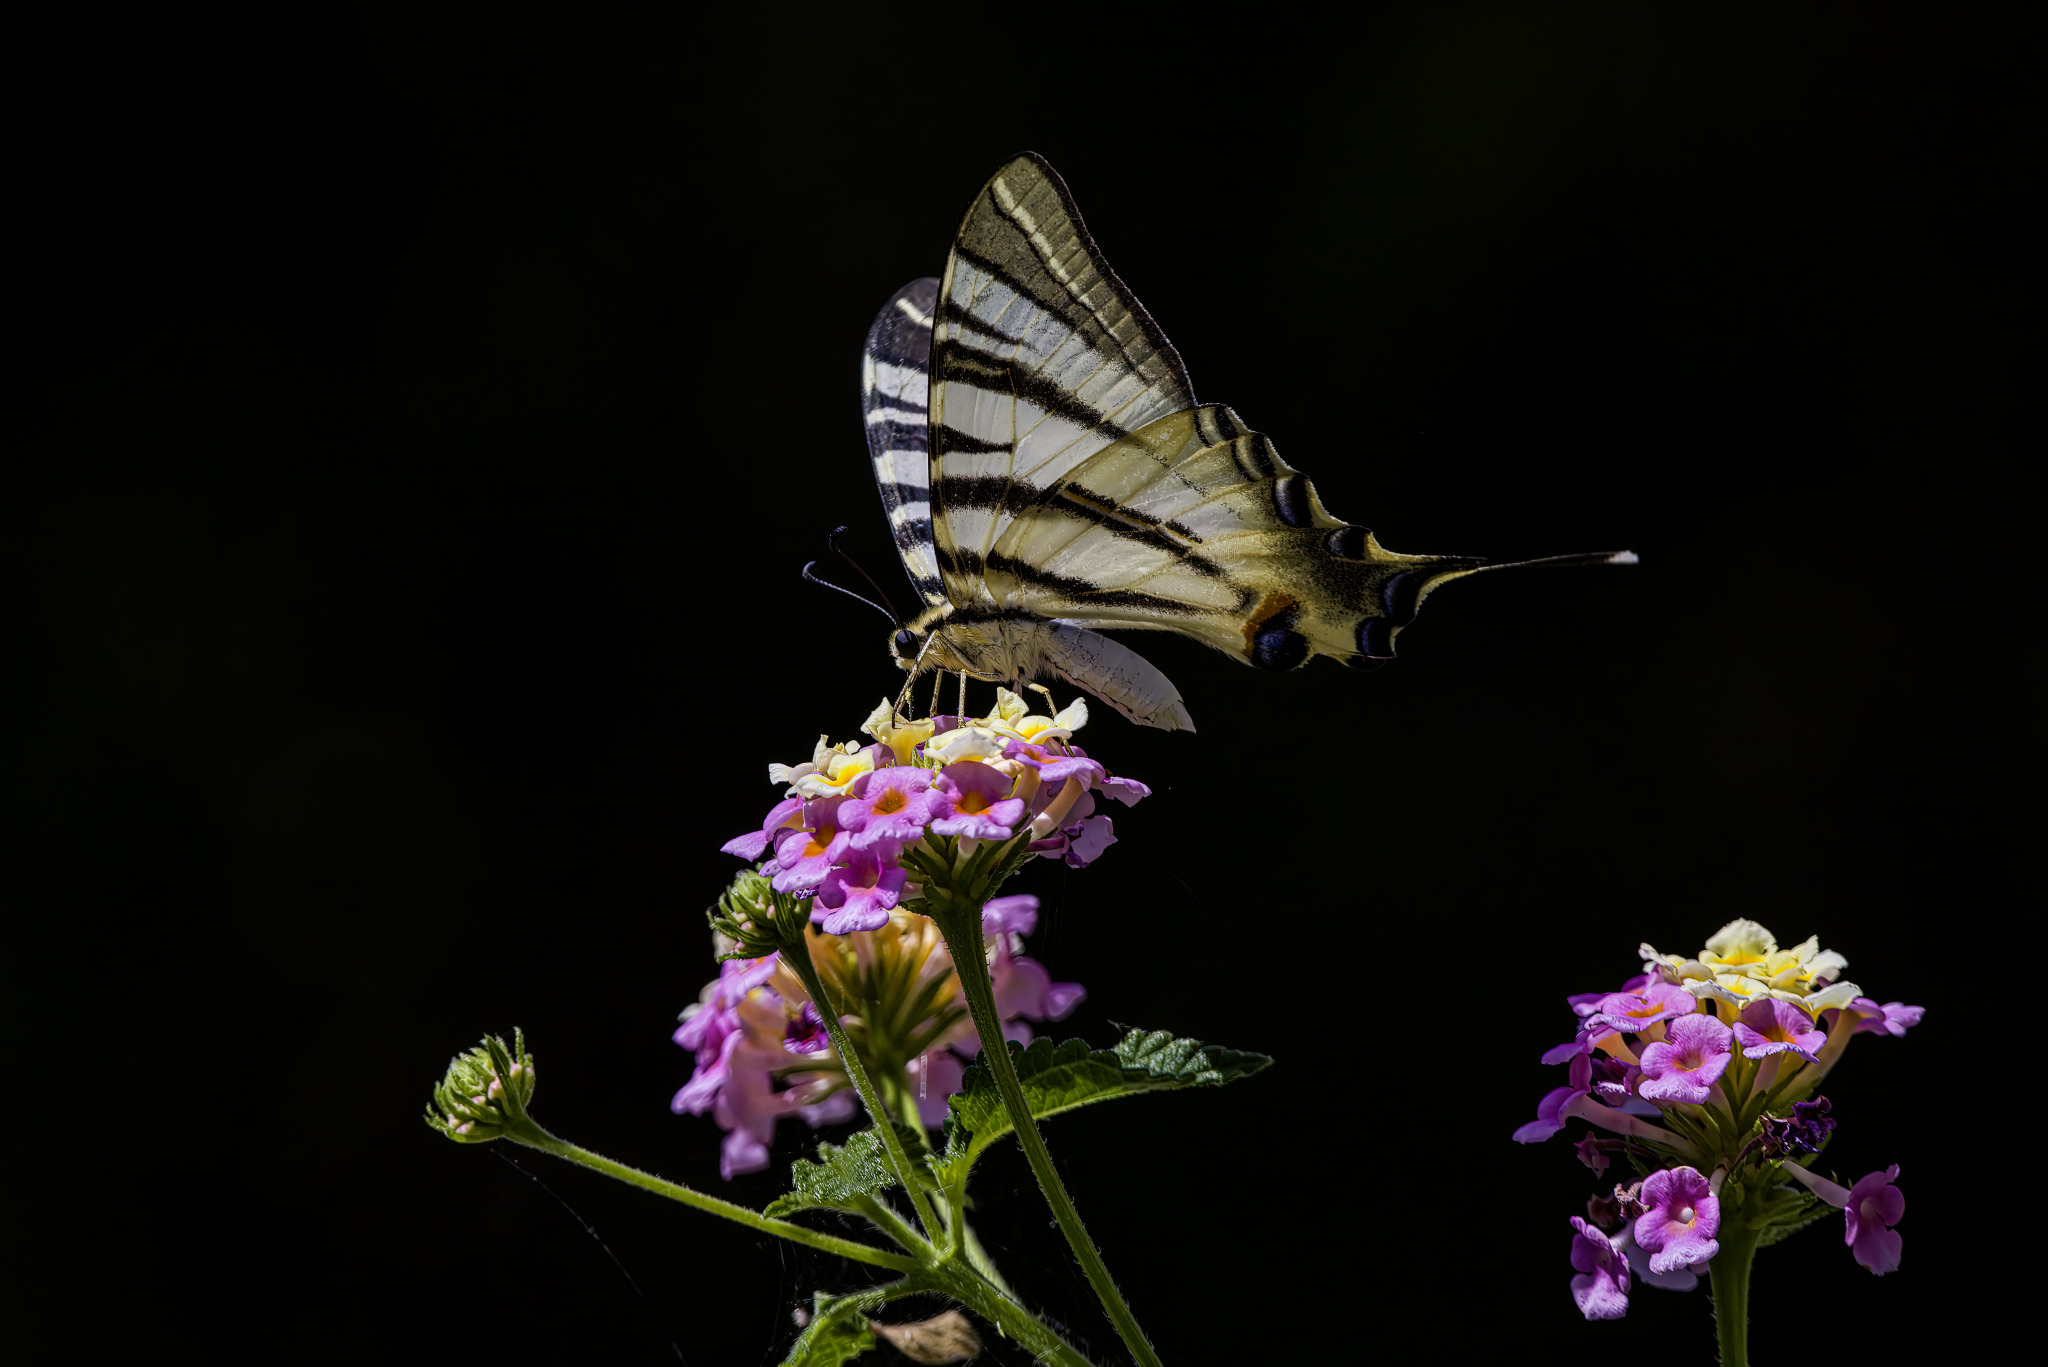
484,1091
753,919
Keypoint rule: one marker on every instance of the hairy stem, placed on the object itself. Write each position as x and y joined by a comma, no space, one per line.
1011,1320
798,956
534,1137
1728,1274
959,920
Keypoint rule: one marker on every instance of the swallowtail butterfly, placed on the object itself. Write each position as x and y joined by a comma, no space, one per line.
1048,474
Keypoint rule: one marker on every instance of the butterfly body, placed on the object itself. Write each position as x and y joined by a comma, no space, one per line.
1049,475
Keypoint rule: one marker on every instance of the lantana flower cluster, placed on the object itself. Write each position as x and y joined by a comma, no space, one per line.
858,825
859,834
1724,1051
763,1054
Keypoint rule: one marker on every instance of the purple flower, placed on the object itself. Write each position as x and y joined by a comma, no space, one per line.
806,1033
889,804
1682,1216
804,856
1874,1206
970,798
1770,1025
1017,914
1601,1288
1632,1010
1686,1063
1055,769
859,894
1124,790
1684,1279
1549,1111
782,815
1803,1131
1890,1019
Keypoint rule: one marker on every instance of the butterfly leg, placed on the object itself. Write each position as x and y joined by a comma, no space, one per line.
963,695
938,683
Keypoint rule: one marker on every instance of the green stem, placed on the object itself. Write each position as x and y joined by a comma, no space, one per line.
534,1137
1728,1274
960,922
1012,1320
798,956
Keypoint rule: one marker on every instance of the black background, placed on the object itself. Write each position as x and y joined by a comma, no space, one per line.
421,419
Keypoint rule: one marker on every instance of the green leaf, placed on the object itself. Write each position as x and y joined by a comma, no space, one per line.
1788,1217
841,1175
838,1332
1058,1078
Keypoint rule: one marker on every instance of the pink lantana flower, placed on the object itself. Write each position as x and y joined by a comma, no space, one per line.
1775,1026
1890,1019
1628,1012
1687,1062
1601,1288
859,894
889,804
1873,1207
1681,1218
970,798
784,815
804,856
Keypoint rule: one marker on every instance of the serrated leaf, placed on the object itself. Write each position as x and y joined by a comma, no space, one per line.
1058,1078
1782,1228
842,1174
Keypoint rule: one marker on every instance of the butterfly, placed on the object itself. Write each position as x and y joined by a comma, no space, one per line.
1048,475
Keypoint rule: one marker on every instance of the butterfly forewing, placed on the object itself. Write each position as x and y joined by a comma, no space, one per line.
894,402
1040,358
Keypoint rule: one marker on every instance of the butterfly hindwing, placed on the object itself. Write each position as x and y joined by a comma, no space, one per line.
893,394
1040,358
1193,523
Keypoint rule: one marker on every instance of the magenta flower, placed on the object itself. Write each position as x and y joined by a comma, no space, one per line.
1686,1063
1055,769
1005,915
1770,1026
781,816
970,798
1601,1288
1874,1206
1124,790
859,894
1635,1009
805,855
1549,1111
1684,1279
888,804
1890,1019
1680,1219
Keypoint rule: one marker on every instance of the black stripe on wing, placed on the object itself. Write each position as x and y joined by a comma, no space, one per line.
895,386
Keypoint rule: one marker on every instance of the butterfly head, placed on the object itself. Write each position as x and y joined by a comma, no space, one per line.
906,644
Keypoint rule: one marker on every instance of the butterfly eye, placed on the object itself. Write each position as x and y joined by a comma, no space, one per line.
905,641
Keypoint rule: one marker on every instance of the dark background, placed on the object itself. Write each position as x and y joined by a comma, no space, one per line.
419,420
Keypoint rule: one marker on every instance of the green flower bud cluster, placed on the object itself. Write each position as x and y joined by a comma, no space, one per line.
753,919
485,1092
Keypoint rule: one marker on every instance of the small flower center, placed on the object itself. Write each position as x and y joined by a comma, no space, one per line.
972,803
819,841
890,802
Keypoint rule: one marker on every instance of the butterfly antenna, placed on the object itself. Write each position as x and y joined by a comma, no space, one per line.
832,545
848,592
